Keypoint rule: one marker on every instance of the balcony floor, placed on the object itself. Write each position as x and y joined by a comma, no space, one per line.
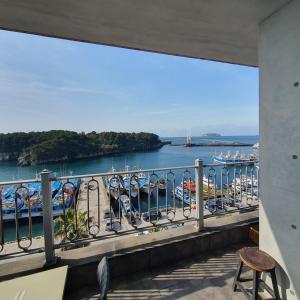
204,277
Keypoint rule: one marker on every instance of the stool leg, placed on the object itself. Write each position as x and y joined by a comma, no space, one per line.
256,276
237,275
275,286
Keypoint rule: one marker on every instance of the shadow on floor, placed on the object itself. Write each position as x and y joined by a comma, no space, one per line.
204,277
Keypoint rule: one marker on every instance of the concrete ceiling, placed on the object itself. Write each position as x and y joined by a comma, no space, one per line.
222,30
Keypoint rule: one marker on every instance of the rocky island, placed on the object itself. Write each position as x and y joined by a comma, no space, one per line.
56,146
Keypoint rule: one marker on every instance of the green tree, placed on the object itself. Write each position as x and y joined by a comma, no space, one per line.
67,230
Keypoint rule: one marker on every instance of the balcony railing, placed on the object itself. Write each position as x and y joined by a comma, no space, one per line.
83,208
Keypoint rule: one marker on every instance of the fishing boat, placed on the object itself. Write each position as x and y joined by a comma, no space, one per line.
145,185
29,198
190,185
115,184
208,182
125,204
237,158
184,195
130,183
129,210
244,183
162,185
131,186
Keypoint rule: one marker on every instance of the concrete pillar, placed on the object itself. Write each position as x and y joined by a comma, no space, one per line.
199,193
47,218
279,65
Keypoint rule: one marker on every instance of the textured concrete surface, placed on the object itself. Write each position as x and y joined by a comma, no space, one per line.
150,250
217,30
280,137
203,277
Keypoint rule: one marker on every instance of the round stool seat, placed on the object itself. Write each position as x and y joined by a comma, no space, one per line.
257,260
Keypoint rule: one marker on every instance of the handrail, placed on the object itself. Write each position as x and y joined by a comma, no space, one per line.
122,172
36,180
159,198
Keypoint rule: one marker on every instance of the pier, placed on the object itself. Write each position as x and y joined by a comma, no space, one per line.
221,144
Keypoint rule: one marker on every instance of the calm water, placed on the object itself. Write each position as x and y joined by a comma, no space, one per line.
167,156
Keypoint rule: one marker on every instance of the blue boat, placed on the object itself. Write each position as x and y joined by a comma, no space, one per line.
12,195
234,159
184,195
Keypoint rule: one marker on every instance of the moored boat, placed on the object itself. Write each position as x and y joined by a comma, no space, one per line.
115,185
146,185
162,185
28,198
237,158
129,210
185,196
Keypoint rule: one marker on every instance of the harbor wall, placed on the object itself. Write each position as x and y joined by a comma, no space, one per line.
279,63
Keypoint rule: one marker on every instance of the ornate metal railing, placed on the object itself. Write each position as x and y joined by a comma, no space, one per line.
75,209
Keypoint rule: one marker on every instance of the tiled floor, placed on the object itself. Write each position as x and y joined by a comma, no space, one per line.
205,277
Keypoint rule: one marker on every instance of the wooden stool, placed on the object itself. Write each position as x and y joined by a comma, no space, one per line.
259,261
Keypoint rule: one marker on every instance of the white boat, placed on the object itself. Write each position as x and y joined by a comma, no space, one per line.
129,211
184,195
245,183
114,184
206,181
125,204
237,158
255,146
131,184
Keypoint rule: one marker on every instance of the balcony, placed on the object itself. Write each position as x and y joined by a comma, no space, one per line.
208,276
140,219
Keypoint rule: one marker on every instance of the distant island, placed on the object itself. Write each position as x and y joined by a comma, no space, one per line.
211,135
55,146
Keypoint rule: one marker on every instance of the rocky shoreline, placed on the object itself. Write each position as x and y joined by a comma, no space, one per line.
23,159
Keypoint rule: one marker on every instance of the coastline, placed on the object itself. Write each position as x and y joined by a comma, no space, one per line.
4,158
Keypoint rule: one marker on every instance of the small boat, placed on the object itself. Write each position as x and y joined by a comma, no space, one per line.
237,158
129,210
114,184
245,183
162,185
125,204
183,195
131,186
255,146
145,185
154,215
190,185
207,181
28,198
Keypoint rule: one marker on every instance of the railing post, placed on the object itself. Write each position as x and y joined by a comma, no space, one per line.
47,217
199,193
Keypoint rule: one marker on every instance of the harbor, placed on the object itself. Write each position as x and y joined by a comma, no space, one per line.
164,157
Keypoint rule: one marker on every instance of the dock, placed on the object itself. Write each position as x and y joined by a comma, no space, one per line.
143,226
233,144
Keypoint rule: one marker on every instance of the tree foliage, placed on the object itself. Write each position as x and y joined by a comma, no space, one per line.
59,145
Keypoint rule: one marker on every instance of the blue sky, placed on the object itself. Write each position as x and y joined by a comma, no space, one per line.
56,84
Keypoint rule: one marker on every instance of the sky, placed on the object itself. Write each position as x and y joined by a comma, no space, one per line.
48,83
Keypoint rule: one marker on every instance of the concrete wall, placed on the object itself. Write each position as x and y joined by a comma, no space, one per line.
279,61
147,258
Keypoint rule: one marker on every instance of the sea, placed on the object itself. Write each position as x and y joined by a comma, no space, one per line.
168,156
